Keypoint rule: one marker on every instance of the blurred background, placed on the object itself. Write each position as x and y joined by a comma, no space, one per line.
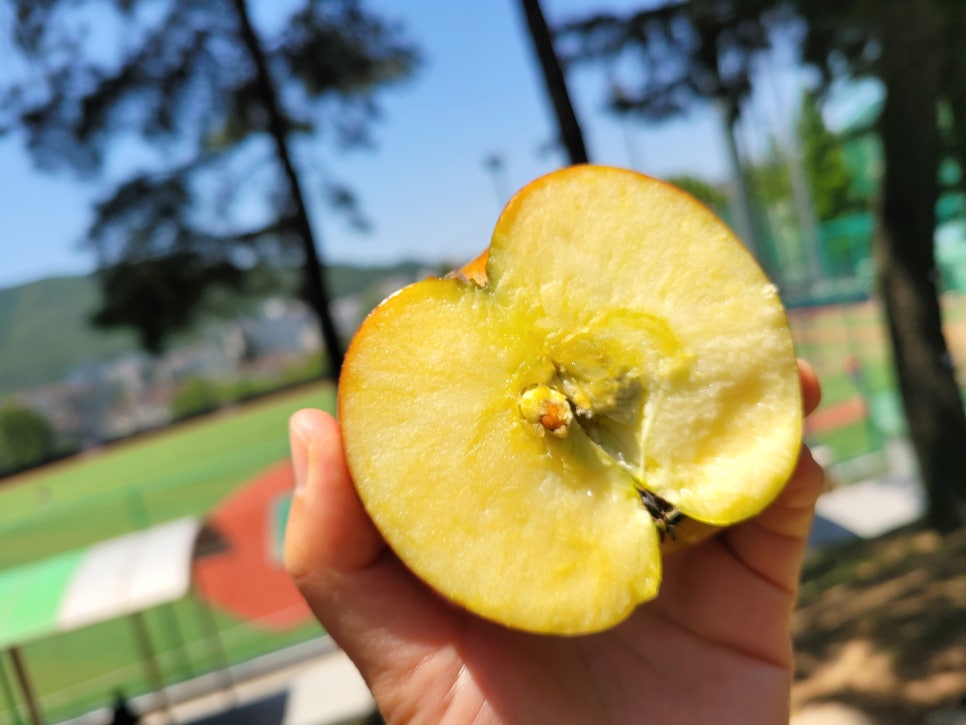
200,200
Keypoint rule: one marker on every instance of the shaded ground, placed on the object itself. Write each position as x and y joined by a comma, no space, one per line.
881,626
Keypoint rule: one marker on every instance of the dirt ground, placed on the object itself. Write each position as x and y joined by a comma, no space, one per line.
881,627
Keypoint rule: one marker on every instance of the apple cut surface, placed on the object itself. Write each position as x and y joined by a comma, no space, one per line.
519,436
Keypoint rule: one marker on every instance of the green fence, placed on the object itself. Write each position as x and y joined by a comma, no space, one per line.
184,471
848,345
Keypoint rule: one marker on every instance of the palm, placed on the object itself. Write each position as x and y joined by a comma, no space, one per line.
713,647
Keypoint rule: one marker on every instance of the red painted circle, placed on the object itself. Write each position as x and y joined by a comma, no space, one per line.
249,580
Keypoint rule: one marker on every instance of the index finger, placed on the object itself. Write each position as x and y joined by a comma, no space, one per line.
811,390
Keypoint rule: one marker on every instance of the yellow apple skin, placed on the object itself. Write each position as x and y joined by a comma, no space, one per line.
629,299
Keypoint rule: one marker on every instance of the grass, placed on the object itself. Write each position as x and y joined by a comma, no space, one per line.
849,441
77,672
837,386
182,471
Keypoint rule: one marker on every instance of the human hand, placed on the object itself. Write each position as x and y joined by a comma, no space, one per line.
713,647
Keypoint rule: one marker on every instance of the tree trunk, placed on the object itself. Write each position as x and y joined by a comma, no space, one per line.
314,282
570,133
910,140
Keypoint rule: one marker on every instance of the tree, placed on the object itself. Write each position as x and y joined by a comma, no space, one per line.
770,176
26,438
702,190
215,96
197,395
686,52
829,179
692,50
571,135
915,48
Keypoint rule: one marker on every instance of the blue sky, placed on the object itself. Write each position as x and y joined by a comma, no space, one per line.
424,187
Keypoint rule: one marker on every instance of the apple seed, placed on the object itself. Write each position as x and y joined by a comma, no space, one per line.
547,407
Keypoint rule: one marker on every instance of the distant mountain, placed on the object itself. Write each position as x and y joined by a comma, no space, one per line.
348,281
45,333
45,330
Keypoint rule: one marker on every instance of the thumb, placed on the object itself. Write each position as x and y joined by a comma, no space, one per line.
385,620
328,530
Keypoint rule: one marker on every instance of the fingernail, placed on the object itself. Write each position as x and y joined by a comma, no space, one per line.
300,444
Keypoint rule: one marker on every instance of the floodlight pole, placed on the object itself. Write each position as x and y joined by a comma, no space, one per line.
8,695
740,195
26,689
150,661
217,648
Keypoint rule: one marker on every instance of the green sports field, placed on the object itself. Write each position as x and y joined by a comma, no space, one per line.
185,470
180,471
849,348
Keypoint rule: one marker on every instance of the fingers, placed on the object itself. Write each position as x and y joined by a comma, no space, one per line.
811,390
328,529
791,513
773,543
387,621
808,479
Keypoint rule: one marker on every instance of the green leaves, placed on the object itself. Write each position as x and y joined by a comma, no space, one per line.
26,439
176,101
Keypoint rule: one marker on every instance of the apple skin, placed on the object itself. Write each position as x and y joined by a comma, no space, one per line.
688,531
475,270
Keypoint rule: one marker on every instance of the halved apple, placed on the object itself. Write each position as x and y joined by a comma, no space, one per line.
524,435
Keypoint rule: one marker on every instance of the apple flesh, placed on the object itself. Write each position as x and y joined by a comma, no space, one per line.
525,433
